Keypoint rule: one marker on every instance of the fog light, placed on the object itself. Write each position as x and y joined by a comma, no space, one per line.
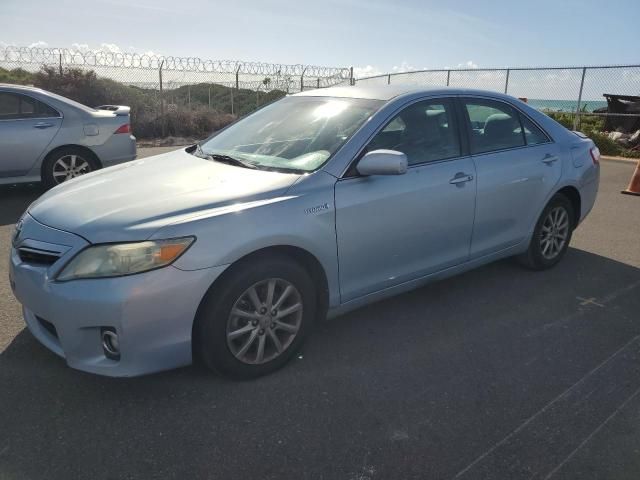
110,343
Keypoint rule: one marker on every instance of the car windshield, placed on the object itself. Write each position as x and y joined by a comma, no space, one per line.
292,134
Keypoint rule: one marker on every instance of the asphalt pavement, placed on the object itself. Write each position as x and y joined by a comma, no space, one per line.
499,373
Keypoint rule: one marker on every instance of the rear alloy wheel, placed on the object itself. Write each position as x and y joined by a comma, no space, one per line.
67,163
551,236
554,233
255,317
68,167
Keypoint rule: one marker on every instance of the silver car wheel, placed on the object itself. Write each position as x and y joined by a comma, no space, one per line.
69,166
554,233
264,321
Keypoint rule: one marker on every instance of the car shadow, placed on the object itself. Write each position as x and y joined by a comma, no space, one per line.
15,199
450,364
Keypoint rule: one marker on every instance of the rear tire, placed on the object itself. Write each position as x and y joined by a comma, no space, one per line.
66,163
551,236
242,309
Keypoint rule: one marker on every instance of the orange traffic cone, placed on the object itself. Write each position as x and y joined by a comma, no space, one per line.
634,184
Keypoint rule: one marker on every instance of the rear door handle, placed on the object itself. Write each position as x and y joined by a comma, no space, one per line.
42,125
461,178
549,159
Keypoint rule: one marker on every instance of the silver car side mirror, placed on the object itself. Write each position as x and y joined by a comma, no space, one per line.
383,162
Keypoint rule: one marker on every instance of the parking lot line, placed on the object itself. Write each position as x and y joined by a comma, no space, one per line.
517,454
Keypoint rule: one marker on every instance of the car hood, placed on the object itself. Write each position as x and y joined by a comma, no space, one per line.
131,201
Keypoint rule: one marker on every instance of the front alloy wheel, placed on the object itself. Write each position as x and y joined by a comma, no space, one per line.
256,316
264,321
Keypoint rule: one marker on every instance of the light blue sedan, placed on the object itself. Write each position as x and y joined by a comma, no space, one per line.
229,251
49,138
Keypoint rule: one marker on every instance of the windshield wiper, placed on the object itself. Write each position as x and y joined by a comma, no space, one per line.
230,160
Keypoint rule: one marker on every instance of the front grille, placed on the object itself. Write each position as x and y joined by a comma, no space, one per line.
48,326
37,256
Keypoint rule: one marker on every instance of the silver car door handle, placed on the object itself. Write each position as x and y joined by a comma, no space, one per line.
549,159
461,178
42,125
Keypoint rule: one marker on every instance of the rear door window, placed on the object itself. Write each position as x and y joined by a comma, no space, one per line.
494,126
15,106
533,134
9,106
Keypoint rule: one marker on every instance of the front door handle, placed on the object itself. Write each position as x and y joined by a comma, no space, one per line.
42,125
549,159
461,178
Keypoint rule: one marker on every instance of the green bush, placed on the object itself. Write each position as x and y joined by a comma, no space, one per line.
16,76
588,123
593,126
605,144
192,111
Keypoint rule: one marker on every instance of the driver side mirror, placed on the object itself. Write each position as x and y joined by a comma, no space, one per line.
383,162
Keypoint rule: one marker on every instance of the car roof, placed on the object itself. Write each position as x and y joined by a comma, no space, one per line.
388,92
27,88
46,95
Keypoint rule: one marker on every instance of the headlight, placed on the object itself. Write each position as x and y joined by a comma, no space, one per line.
114,260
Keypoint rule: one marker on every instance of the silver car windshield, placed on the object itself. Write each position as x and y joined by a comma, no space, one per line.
292,134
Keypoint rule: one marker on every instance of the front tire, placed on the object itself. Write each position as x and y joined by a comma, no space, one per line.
551,236
256,317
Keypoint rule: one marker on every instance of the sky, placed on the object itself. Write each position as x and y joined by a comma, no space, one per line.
373,36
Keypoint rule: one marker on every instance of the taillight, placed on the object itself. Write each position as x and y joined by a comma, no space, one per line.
126,128
595,155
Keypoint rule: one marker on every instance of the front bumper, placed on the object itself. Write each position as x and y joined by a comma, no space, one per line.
152,313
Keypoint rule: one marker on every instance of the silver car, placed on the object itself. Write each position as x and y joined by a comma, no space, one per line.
229,251
44,136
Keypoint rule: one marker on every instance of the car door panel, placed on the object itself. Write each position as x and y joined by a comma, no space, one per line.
23,142
512,185
24,136
392,229
513,177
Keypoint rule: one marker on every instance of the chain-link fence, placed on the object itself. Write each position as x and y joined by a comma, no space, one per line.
174,96
168,96
594,99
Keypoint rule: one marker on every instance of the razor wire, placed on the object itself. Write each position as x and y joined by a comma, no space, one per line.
162,90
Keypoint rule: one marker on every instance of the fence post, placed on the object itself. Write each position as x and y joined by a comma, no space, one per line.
232,112
162,119
448,77
302,79
189,96
209,97
318,82
389,79
238,78
576,119
60,64
506,83
351,79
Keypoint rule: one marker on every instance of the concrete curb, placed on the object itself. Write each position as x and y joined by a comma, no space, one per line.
629,161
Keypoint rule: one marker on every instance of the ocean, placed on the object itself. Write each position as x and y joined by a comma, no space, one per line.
565,105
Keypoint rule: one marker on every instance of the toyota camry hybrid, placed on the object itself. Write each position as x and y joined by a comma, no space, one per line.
229,250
